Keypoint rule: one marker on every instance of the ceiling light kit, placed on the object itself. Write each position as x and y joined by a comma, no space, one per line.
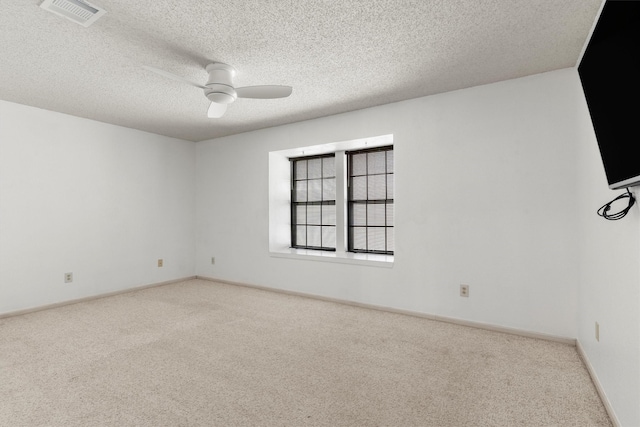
220,90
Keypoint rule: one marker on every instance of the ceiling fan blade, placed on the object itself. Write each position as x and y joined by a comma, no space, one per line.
171,76
216,110
264,92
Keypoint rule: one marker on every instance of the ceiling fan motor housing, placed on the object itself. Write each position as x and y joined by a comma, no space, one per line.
219,87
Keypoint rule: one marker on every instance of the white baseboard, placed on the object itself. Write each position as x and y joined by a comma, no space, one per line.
463,322
596,382
92,297
507,330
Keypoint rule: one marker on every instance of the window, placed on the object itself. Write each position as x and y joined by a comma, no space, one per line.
313,202
309,204
367,201
370,201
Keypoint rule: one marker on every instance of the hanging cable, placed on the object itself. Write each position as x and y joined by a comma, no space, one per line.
604,210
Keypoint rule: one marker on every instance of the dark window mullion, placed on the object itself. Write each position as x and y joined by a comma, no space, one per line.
298,183
385,225
349,205
294,221
306,224
366,210
367,201
306,207
321,196
386,196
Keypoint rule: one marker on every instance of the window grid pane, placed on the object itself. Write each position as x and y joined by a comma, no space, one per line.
359,188
301,169
359,240
390,220
314,216
376,238
313,236
313,210
314,168
329,215
359,164
301,214
359,216
376,163
301,235
370,202
329,236
314,190
329,167
376,215
329,189
376,187
300,194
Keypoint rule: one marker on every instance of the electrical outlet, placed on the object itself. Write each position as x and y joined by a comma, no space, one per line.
160,262
213,260
464,290
68,277
597,332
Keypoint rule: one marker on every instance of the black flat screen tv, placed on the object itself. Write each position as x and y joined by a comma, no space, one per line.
610,76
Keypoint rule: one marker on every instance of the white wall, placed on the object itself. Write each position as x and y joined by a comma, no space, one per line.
609,281
485,196
98,200
497,187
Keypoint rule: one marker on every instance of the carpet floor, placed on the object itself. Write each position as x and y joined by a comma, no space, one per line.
199,353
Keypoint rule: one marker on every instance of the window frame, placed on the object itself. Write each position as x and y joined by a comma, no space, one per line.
351,202
295,203
279,183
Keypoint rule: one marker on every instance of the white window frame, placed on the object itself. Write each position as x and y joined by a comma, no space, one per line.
280,202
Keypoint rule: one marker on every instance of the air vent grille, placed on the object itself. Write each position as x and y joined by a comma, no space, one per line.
77,11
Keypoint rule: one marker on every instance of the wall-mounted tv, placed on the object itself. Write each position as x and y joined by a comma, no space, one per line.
610,75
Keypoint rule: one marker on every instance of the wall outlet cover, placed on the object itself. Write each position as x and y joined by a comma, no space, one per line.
464,290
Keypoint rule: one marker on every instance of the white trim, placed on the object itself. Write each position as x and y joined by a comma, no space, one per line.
507,330
374,260
92,297
462,322
598,385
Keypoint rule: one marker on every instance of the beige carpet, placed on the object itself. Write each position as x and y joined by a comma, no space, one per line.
199,353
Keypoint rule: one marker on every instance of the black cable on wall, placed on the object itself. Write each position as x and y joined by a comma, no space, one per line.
604,210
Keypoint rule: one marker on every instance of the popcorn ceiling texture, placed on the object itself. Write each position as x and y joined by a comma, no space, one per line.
338,55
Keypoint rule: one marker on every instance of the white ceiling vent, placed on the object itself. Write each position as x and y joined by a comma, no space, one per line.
77,11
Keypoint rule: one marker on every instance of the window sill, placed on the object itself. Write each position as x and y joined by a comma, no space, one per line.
374,260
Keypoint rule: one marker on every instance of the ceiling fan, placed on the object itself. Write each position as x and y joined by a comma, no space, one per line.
220,91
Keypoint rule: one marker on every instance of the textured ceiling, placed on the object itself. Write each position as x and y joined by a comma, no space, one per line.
339,55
